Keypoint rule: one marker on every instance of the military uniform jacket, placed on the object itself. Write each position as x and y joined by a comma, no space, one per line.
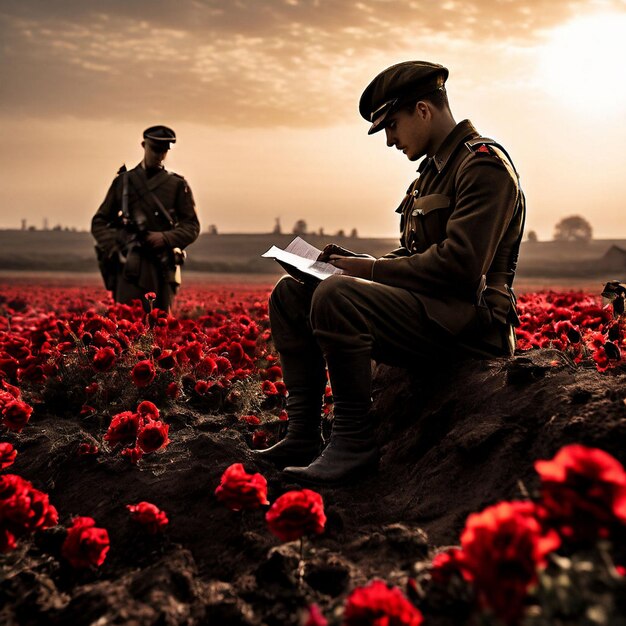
173,193
461,224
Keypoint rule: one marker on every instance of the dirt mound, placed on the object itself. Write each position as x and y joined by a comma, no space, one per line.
453,442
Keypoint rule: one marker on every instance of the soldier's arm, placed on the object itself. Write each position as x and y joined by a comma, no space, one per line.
188,226
486,199
105,224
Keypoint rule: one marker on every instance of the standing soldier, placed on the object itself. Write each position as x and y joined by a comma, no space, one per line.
144,224
446,291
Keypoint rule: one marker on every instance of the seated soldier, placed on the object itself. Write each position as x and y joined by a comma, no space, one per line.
446,291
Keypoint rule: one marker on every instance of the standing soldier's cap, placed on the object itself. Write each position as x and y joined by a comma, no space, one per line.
396,86
162,136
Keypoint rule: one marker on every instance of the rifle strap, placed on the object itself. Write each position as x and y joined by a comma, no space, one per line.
141,186
125,213
162,209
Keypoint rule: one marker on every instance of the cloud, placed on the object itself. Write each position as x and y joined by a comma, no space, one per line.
245,62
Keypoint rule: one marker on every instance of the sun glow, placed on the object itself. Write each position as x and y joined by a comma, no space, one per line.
582,63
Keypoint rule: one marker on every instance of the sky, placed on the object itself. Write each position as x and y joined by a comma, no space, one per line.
263,96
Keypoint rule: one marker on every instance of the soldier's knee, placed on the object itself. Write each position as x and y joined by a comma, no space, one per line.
330,296
286,288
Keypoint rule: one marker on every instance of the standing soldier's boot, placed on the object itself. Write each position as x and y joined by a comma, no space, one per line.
305,379
352,450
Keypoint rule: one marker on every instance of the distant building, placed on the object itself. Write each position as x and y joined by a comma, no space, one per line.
614,258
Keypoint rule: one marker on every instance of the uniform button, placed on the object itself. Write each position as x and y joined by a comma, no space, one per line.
418,212
156,213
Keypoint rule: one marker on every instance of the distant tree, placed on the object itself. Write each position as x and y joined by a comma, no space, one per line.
300,228
354,233
320,232
32,227
23,221
573,228
212,229
277,229
532,236
340,233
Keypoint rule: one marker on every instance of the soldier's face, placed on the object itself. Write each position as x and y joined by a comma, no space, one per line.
154,154
409,131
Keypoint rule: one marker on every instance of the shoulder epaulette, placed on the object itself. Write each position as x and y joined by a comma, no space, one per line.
122,169
484,145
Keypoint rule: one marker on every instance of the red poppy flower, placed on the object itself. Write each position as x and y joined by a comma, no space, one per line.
201,387
167,360
194,351
253,420
133,454
223,364
150,295
260,439
148,410
149,516
143,373
15,415
33,373
104,359
11,390
583,492
92,388
296,513
172,391
123,428
315,617
268,388
447,564
379,604
85,545
153,436
87,449
8,454
503,547
23,510
207,366
239,490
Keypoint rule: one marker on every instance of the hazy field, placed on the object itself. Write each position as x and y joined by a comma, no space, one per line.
544,262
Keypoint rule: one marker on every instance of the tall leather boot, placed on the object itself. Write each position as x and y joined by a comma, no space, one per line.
305,379
352,450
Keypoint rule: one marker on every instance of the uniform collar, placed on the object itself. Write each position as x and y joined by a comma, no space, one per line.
459,134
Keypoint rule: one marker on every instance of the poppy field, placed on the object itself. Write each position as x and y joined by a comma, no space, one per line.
128,494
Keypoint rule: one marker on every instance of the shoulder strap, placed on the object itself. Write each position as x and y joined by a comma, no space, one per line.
475,145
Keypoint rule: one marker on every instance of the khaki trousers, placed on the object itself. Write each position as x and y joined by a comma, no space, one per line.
352,316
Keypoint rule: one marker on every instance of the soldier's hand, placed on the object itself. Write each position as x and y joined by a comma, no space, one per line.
155,240
359,267
336,250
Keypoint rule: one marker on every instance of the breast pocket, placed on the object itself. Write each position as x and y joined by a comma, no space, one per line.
426,220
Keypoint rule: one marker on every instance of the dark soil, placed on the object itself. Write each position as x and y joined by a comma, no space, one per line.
453,442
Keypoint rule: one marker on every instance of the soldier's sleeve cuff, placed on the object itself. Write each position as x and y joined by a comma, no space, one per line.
372,272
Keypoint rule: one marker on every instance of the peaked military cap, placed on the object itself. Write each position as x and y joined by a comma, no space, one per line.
397,85
161,135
